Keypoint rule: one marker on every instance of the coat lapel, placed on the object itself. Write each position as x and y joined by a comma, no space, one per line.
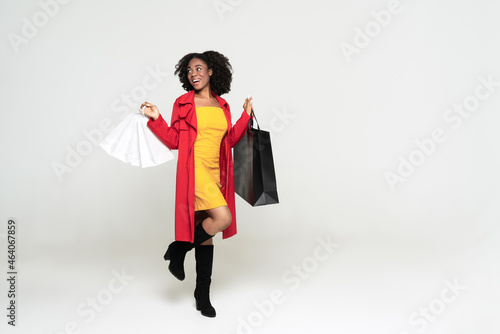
187,110
225,107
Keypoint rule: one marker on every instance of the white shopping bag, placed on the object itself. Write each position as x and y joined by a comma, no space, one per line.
133,142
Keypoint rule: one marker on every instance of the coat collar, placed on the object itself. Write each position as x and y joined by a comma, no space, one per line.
188,98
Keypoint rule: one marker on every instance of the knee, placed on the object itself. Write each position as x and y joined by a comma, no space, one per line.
221,218
225,220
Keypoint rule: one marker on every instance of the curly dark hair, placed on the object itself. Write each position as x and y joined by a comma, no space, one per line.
222,72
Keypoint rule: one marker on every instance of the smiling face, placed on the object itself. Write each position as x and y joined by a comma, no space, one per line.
198,74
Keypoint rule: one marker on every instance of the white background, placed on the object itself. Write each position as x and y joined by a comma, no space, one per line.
338,125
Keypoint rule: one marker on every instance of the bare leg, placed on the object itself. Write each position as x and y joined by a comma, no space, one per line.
218,220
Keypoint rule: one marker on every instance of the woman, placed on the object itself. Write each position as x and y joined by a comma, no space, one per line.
201,130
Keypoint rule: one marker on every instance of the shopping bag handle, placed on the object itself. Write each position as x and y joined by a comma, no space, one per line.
250,122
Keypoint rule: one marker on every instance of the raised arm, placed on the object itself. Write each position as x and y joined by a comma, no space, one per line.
241,125
169,135
238,129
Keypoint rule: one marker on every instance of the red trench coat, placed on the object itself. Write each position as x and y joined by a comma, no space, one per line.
181,135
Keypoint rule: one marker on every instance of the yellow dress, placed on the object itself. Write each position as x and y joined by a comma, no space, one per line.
211,127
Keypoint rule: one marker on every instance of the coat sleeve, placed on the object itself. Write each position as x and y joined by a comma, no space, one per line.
238,129
169,135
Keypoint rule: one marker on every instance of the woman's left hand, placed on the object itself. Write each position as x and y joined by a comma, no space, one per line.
248,105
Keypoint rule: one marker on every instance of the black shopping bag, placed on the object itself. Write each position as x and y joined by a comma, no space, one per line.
254,177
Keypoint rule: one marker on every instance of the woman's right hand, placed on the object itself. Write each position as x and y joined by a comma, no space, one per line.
150,110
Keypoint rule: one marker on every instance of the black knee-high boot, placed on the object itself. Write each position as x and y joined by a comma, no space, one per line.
177,250
204,261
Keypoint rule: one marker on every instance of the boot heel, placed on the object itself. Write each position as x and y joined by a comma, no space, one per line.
198,305
167,255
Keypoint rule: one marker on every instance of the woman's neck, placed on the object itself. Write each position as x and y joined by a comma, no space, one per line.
205,93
